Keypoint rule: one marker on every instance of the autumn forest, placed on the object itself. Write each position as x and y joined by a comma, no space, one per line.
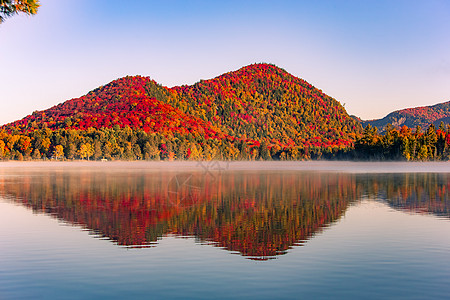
259,112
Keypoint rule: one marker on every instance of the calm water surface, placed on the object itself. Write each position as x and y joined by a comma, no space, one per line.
224,230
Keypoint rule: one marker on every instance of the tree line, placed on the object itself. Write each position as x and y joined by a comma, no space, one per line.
124,143
404,143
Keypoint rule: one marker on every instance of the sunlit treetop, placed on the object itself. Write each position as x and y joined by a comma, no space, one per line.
9,8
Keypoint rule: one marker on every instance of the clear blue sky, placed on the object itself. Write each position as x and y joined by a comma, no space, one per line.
374,56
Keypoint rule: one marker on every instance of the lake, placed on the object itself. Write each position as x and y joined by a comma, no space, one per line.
241,230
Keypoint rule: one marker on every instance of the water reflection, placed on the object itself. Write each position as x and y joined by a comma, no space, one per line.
426,193
257,214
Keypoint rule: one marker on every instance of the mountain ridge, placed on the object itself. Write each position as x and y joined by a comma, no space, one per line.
412,117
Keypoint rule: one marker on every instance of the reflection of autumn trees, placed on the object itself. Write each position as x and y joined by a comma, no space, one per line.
416,192
259,215
262,215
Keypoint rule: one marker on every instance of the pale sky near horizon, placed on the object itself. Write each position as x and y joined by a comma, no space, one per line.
373,56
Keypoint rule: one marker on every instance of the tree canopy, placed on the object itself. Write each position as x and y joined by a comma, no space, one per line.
9,8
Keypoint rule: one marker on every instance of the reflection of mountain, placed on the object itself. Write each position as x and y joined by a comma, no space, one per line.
257,214
415,192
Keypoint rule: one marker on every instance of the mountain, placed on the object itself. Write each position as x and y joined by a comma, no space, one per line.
259,105
412,117
262,101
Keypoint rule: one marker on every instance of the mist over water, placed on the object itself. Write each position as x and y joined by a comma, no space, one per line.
231,229
148,166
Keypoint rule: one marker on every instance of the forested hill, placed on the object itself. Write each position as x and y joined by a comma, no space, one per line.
413,117
266,103
258,111
123,102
